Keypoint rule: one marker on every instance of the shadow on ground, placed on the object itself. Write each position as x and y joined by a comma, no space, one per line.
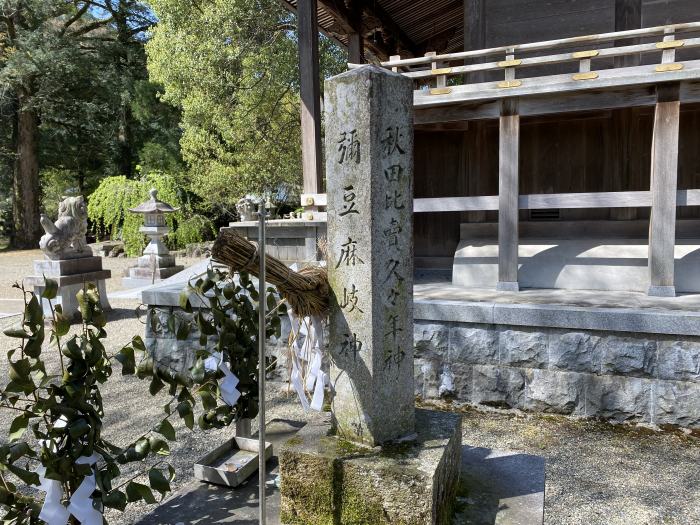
495,488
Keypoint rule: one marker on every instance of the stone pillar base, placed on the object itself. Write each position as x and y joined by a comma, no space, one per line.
328,480
68,288
662,291
507,286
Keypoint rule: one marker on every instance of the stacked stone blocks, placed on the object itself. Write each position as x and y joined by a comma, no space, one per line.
617,376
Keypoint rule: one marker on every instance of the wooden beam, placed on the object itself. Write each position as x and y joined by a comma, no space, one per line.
310,86
560,58
556,85
341,14
402,44
587,40
542,201
356,46
509,146
546,104
664,181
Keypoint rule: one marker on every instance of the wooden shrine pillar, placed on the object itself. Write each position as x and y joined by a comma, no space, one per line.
474,30
625,122
310,86
475,38
508,191
356,51
664,182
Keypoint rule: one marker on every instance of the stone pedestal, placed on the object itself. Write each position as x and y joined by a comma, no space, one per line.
71,275
327,480
150,269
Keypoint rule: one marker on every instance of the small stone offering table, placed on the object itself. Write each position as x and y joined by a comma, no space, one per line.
376,459
67,258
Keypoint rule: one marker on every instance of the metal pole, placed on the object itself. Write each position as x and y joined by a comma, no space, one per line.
261,362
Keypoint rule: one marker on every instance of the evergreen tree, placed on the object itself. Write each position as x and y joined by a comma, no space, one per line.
232,66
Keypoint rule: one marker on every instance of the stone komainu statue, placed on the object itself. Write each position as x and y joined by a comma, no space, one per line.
65,239
246,209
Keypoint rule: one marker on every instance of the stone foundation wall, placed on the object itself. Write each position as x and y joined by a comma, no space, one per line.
617,376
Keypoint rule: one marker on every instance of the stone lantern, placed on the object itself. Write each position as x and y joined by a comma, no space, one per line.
156,263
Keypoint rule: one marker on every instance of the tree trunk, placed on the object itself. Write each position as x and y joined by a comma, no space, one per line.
26,195
125,142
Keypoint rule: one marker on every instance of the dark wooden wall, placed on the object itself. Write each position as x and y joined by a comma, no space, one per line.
590,152
521,21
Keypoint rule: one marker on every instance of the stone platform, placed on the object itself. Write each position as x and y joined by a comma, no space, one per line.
328,480
620,356
71,275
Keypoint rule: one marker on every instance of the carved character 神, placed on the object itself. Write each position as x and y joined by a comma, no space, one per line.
65,239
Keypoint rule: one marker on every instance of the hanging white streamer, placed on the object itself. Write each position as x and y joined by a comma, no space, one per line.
227,386
54,513
310,352
80,504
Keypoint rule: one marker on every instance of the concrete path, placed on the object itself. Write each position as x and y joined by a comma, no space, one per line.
10,307
496,488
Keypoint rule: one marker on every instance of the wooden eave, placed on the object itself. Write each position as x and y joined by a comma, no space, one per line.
394,27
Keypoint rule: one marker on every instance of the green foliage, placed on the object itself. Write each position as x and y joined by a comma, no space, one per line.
193,229
232,66
63,413
229,327
109,204
79,67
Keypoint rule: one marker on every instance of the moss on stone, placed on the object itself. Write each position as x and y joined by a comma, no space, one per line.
358,509
340,447
294,442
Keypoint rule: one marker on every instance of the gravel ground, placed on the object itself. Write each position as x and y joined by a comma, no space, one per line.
18,264
596,473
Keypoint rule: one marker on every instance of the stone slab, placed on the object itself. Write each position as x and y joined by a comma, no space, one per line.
67,280
327,480
501,488
60,267
588,264
635,320
140,272
160,261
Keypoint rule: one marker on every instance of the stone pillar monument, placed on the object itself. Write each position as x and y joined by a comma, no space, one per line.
370,268
377,459
67,258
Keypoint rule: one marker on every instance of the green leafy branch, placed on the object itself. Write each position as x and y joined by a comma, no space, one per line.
64,413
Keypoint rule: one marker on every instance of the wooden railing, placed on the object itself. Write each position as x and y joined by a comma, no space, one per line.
458,77
539,201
